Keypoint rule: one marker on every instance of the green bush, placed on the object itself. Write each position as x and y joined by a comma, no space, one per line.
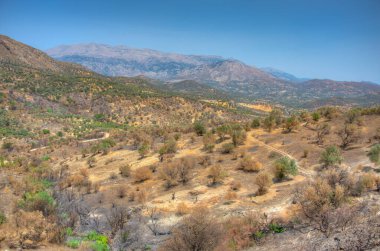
199,128
276,228
100,242
331,156
170,146
316,116
227,148
374,154
73,243
285,167
3,218
255,123
45,131
39,201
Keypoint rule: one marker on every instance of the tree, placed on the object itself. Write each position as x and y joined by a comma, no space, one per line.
199,128
285,167
143,150
238,136
169,173
348,134
200,231
216,174
291,123
374,154
331,156
222,131
143,173
263,181
209,142
352,116
250,165
316,116
269,123
184,167
322,130
170,146
255,123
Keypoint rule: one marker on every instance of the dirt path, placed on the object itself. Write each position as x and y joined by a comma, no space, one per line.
105,136
301,170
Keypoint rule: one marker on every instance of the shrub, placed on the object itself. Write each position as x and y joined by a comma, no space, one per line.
248,164
45,131
216,174
182,209
209,141
227,148
73,243
143,173
170,146
255,123
222,131
184,168
316,116
238,137
331,156
169,173
291,123
235,185
121,191
276,228
7,146
263,181
3,218
199,231
39,201
199,128
348,134
285,167
143,150
125,170
99,242
374,154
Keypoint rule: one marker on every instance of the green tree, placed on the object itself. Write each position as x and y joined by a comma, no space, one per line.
331,156
374,154
316,116
144,150
255,123
291,123
285,167
199,128
222,131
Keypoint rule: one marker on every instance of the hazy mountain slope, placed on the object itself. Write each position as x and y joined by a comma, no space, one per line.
231,76
125,61
282,75
195,89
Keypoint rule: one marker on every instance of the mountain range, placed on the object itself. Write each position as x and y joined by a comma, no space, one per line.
191,75
227,75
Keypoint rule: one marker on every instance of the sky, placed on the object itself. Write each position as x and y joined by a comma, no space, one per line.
335,39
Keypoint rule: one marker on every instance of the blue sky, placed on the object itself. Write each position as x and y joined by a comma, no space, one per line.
309,38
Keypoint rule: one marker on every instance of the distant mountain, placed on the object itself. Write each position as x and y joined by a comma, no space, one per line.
282,75
194,89
126,61
226,75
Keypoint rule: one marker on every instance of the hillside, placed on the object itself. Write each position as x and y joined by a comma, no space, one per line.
228,75
101,163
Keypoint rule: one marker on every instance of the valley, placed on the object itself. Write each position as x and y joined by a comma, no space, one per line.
213,153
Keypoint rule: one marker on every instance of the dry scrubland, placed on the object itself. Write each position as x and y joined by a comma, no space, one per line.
309,181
